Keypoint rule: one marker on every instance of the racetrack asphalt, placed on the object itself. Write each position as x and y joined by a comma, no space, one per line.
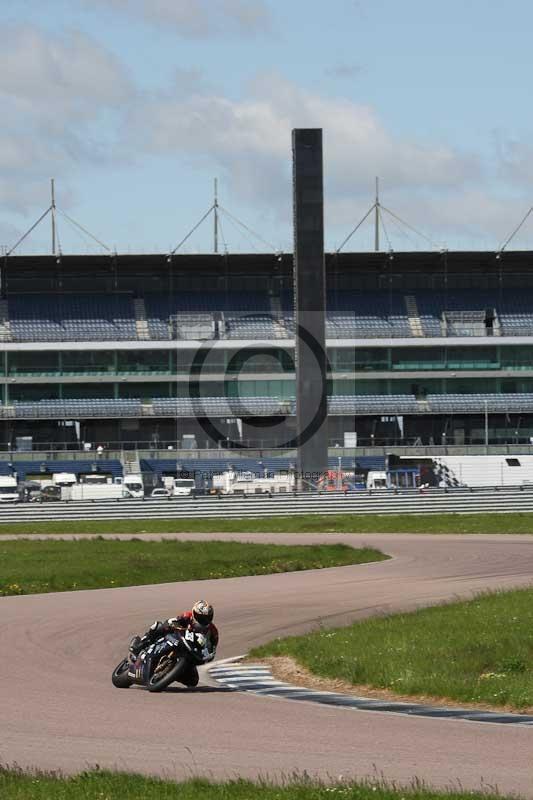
59,710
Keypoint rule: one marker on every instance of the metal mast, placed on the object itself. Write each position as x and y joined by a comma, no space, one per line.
376,208
53,215
215,215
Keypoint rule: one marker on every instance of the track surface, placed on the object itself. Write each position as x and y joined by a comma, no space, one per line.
58,709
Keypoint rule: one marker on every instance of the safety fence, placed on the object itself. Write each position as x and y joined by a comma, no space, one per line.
458,501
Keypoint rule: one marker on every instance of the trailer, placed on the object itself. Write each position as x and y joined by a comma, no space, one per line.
95,491
232,482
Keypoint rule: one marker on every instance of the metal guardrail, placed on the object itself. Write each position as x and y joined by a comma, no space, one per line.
251,449
459,501
334,330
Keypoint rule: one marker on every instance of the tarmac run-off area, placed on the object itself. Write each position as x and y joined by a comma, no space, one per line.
59,709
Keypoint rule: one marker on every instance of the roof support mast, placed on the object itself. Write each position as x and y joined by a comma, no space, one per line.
53,214
215,216
376,224
378,210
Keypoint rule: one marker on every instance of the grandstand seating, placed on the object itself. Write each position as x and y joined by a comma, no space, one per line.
250,315
74,409
122,334
250,326
476,403
373,404
366,314
241,315
221,406
73,317
514,308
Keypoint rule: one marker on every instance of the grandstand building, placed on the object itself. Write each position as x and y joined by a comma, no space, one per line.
153,352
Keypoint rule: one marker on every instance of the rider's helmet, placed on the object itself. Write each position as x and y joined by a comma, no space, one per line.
202,612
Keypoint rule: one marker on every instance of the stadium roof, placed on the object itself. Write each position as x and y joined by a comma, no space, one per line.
398,262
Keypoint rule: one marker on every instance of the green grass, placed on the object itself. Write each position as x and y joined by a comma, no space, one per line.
478,651
28,566
310,523
101,785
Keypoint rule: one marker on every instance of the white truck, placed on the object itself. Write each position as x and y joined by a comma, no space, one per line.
376,479
64,479
134,484
95,491
8,489
183,487
231,482
179,487
55,479
96,479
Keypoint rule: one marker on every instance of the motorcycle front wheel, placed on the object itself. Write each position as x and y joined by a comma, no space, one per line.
166,672
120,677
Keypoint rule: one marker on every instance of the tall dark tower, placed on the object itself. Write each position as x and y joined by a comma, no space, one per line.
310,302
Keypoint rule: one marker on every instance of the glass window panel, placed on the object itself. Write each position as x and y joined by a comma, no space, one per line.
373,358
34,392
87,362
520,357
36,363
87,390
142,361
418,358
472,358
144,390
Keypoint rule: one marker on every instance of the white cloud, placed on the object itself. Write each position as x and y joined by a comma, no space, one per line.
67,101
515,159
477,214
69,73
450,194
54,91
250,141
200,19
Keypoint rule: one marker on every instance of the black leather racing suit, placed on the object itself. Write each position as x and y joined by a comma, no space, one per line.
190,677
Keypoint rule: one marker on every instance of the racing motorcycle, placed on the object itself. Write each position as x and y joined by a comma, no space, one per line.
162,663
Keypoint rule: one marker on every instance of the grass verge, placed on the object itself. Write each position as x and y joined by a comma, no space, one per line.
306,523
27,567
480,651
95,785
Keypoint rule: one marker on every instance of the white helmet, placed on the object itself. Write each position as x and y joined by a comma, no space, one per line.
202,612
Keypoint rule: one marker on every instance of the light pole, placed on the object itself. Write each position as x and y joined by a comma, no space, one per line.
486,427
177,384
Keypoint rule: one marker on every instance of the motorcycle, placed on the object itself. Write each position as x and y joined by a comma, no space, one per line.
162,663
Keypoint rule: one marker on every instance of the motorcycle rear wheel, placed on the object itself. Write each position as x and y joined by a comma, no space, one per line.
157,683
120,677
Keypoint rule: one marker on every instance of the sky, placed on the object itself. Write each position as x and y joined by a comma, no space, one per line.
134,107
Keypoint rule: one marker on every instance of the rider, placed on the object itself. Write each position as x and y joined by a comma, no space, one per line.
201,614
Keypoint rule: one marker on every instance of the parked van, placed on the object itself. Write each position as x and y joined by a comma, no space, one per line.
95,491
8,490
183,487
134,485
376,479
